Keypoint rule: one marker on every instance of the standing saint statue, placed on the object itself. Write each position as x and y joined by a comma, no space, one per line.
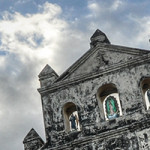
74,121
148,95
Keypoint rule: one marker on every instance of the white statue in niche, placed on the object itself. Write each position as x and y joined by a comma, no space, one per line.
74,121
147,99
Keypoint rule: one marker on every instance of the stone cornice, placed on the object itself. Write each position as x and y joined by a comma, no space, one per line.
124,49
83,77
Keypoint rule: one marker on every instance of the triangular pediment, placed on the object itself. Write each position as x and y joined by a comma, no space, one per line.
100,58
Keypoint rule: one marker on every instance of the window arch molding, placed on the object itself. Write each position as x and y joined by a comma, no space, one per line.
145,88
68,109
108,101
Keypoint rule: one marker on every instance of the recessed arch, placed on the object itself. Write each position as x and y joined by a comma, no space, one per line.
71,118
145,86
109,103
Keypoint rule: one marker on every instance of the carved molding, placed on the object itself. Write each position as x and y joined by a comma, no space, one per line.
65,83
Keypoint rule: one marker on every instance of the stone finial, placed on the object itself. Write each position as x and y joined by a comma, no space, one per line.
98,37
32,140
47,76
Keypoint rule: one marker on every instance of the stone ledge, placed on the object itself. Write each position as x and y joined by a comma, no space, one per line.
116,132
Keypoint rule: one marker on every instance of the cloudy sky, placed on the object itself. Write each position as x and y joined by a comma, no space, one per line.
34,33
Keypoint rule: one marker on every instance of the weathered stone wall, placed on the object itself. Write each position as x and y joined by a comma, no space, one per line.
128,131
33,145
83,87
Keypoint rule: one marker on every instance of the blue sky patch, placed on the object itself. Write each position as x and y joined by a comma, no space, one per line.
3,53
29,39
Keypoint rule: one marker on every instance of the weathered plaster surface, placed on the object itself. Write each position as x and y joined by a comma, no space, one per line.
92,122
101,59
103,64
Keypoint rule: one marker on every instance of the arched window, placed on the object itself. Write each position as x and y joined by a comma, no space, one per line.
71,119
109,102
145,84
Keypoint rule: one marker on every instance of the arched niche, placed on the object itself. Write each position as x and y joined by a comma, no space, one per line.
71,118
108,101
145,85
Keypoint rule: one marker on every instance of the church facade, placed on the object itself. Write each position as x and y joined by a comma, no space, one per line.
101,102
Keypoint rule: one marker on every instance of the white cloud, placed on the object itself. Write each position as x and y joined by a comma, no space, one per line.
142,34
94,8
21,34
31,41
121,21
116,4
52,9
